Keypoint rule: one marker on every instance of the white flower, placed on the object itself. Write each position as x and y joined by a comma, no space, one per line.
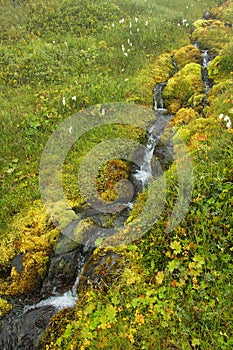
113,25
130,24
228,124
122,20
136,19
70,129
138,29
126,79
123,47
126,54
64,101
220,116
187,24
146,23
66,43
227,119
131,33
74,98
54,41
103,111
122,70
178,24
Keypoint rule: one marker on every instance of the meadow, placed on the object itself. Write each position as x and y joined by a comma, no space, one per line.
169,291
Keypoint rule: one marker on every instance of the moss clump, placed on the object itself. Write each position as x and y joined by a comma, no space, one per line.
182,86
184,116
186,54
30,239
163,68
111,173
211,34
5,307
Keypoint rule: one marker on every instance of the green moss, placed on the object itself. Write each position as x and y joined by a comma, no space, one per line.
163,68
182,86
186,54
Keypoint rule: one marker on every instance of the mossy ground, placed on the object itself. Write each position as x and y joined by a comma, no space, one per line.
173,291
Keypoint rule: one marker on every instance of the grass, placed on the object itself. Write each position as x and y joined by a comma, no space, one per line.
172,291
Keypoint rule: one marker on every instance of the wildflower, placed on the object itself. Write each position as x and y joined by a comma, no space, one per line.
126,54
70,129
146,23
74,98
187,24
131,33
136,19
66,43
184,21
123,47
103,111
54,41
64,101
138,29
130,24
122,20
220,116
227,119
113,25
122,70
126,79
178,24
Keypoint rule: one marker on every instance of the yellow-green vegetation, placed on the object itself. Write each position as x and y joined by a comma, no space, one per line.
186,54
184,85
5,307
211,34
165,291
31,237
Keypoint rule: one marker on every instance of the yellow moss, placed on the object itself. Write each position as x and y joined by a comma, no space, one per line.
32,235
163,68
182,86
186,54
184,116
5,307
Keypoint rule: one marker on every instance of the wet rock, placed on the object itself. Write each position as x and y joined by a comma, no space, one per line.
22,332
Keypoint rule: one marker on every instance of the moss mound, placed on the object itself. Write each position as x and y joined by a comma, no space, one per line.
186,54
182,86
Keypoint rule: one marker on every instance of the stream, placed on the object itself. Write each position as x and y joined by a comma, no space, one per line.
22,327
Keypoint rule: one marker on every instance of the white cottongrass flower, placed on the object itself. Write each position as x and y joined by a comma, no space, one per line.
126,54
122,69
73,98
66,43
146,23
113,25
220,116
131,33
54,42
136,19
123,47
178,24
122,20
63,101
70,129
103,111
126,79
138,29
130,24
227,119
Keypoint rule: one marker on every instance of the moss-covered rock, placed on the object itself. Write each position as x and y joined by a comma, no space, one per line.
163,68
25,251
186,54
184,116
211,34
5,307
182,86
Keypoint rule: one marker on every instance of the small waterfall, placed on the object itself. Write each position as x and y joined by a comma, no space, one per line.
206,59
145,172
158,97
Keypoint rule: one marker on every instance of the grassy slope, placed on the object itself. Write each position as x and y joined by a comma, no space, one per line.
176,290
